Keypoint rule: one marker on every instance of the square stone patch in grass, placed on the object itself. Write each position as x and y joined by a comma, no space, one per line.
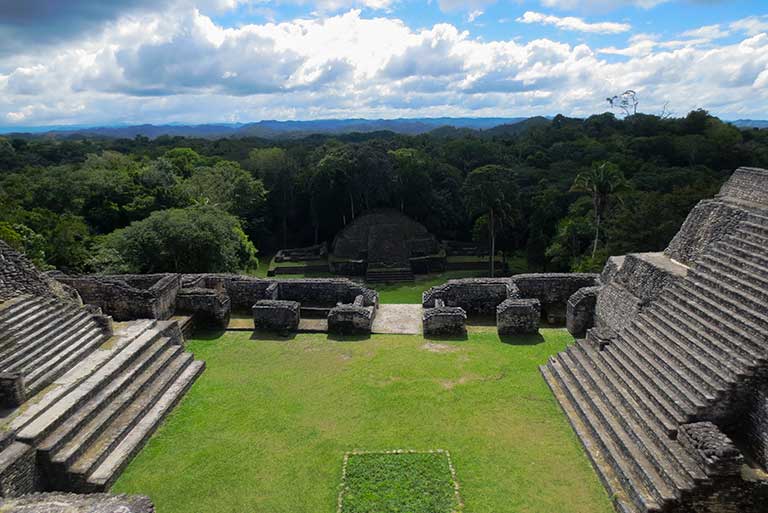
399,481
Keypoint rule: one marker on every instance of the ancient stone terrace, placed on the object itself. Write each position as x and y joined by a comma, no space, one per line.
667,391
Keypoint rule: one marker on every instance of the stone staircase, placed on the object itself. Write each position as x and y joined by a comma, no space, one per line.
42,338
388,275
689,356
89,427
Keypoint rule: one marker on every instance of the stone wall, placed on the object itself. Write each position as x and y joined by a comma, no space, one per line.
351,319
243,291
444,320
128,296
276,315
19,276
75,503
580,311
474,295
754,425
325,292
18,470
518,316
553,291
210,307
633,286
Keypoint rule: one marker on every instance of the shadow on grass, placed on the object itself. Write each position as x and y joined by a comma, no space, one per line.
348,338
531,339
272,336
446,338
207,334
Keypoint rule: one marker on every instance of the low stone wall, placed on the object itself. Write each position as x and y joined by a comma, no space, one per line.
518,316
276,315
474,295
18,471
325,292
444,320
351,319
580,311
128,296
553,291
79,503
210,307
243,291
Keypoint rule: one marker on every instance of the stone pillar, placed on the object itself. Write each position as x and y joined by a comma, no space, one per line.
580,311
518,316
12,393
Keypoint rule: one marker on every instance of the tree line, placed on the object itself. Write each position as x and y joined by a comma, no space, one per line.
564,193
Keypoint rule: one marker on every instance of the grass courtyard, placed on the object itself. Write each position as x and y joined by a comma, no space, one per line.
266,427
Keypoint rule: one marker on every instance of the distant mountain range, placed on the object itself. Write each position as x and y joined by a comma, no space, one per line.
446,127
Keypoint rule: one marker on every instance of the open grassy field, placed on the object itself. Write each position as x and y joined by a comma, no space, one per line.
266,426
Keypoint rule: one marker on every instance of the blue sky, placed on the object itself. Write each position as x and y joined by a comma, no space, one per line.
198,61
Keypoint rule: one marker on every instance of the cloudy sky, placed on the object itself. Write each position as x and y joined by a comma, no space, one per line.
100,62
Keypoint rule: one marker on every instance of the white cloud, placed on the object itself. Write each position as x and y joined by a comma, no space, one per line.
752,25
600,5
573,23
472,16
708,32
180,65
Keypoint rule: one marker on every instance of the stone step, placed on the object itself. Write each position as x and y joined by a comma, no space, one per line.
750,270
47,420
668,415
127,417
38,319
76,421
699,323
659,471
738,279
15,304
628,411
749,229
668,397
700,371
84,437
45,374
603,446
729,287
607,475
672,327
110,468
27,349
749,253
65,344
21,310
666,374
742,314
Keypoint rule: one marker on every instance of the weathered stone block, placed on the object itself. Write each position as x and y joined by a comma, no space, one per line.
351,319
12,392
580,311
518,316
80,503
444,320
18,470
712,448
210,307
276,315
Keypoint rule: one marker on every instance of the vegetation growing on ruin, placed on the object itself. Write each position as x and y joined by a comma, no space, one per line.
266,426
69,203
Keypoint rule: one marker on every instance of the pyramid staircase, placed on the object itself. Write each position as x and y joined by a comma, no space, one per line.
388,275
41,338
88,427
685,358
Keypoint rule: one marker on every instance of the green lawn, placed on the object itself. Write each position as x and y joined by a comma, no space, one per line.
410,293
265,428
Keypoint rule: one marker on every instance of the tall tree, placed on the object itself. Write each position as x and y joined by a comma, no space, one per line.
279,172
491,191
603,182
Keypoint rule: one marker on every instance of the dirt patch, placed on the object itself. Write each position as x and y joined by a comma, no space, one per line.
448,384
439,348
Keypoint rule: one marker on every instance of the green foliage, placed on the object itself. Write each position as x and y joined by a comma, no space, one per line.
195,239
394,483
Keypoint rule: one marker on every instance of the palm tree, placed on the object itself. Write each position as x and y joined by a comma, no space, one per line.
603,181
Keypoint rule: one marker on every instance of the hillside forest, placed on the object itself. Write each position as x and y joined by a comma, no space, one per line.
561,193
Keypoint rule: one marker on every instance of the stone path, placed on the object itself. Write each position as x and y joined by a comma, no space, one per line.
398,319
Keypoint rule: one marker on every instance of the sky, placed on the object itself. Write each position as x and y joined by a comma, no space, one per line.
109,62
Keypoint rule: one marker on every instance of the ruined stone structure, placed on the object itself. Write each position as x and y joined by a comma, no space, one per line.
385,245
667,391
80,398
442,320
276,315
351,319
481,296
518,316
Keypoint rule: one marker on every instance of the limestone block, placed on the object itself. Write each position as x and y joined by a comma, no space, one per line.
711,448
444,320
518,316
276,315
